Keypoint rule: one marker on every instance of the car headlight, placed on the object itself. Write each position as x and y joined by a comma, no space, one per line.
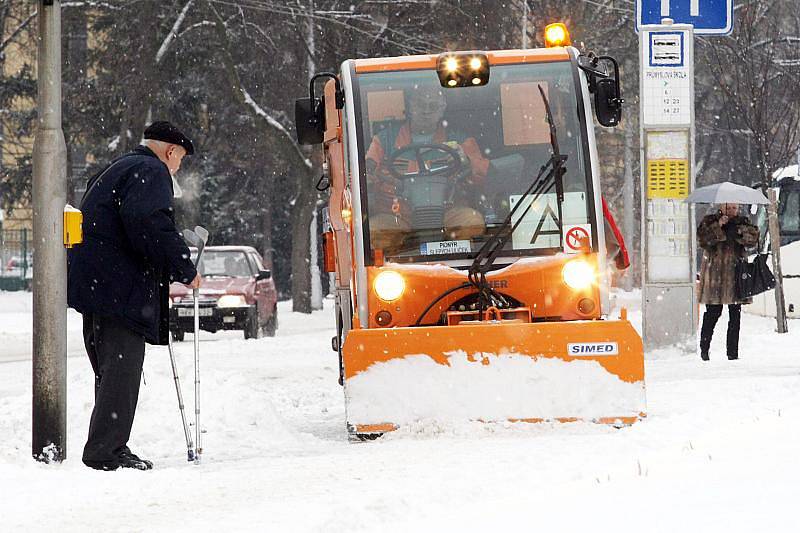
578,274
231,300
389,285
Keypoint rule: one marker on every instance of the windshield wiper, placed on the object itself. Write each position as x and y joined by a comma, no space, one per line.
487,254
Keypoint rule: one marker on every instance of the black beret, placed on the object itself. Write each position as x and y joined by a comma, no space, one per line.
164,131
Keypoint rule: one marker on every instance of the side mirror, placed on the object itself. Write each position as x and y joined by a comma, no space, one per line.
263,274
309,113
607,103
309,120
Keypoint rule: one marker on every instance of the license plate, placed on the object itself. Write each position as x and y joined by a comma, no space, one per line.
229,319
189,311
445,247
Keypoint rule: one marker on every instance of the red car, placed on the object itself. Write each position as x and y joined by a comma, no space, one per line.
236,293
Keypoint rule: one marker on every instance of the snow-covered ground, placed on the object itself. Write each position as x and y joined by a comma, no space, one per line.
718,451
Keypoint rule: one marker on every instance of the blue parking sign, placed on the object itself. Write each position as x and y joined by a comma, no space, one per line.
709,17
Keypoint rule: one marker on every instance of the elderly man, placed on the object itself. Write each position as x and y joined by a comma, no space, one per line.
389,218
118,279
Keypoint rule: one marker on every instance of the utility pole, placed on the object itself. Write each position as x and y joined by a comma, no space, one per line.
628,197
49,424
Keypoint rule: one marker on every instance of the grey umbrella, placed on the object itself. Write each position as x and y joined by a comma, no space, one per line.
726,193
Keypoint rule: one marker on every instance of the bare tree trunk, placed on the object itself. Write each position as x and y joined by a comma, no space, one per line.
304,206
301,268
266,225
316,275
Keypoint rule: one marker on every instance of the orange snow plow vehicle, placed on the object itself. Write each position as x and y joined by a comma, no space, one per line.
467,235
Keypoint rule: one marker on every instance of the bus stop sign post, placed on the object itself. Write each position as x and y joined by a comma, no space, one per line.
669,311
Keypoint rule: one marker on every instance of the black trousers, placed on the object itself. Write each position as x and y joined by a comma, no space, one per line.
710,317
117,356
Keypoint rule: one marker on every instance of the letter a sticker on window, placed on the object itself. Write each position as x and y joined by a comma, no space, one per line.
539,227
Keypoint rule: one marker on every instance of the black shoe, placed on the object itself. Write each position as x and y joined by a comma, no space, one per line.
704,356
733,357
106,466
128,459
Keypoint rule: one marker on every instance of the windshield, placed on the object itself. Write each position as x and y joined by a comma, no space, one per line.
788,216
230,264
445,166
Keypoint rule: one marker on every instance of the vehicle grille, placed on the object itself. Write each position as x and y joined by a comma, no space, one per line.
204,301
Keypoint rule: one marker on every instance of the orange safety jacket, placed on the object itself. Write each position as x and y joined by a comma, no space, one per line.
377,152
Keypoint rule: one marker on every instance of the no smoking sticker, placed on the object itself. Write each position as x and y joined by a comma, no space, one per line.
576,237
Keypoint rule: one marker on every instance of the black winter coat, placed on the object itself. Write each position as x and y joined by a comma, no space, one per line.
131,250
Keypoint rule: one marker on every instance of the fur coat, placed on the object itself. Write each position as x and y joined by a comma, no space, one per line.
722,247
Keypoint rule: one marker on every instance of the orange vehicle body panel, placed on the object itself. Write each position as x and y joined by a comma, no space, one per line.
500,57
339,201
537,339
535,282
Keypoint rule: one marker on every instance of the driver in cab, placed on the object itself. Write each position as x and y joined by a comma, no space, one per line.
390,215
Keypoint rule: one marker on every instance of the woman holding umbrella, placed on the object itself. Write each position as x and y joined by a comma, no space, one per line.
724,237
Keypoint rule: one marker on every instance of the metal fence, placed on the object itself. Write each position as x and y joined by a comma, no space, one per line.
16,259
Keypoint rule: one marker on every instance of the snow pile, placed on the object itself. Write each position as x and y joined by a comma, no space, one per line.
16,327
792,171
511,386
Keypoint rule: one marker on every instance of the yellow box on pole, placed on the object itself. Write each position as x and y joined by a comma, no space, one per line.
73,226
668,178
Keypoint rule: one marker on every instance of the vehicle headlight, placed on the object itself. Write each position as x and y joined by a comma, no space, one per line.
389,285
578,274
231,300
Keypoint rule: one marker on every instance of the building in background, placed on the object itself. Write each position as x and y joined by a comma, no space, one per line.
18,26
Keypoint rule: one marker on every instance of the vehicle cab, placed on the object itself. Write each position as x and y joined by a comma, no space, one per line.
423,173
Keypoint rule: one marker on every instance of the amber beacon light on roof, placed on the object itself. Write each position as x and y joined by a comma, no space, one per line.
556,35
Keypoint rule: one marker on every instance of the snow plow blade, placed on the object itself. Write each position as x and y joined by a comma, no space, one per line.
493,371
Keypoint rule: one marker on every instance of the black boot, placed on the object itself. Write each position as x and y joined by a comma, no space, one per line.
124,459
128,459
734,320
97,465
710,318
